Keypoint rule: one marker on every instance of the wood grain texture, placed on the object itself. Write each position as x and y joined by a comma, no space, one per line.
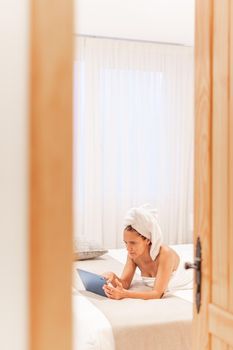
202,194
221,324
51,175
230,304
217,276
217,344
220,155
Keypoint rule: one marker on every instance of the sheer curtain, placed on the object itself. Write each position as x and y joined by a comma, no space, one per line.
133,137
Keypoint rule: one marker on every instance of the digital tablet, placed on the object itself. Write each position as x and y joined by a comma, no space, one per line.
92,282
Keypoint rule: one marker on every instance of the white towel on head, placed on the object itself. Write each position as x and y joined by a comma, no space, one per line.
144,220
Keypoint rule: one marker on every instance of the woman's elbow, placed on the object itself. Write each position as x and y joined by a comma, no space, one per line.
125,284
158,294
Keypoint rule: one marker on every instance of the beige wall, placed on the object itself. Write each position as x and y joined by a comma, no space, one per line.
13,174
153,20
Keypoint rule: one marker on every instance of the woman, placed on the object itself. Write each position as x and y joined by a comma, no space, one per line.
157,262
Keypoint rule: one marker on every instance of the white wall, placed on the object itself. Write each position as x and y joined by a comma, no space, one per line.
153,20
13,174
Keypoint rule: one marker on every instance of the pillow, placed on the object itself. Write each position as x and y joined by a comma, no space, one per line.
84,249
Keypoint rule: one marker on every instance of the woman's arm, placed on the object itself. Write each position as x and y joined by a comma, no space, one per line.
128,273
126,277
163,275
165,268
120,293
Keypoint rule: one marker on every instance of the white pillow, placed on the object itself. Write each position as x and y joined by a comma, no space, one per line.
84,249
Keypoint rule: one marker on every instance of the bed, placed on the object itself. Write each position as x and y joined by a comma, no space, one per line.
100,323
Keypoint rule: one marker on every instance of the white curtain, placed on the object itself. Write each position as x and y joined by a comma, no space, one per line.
133,137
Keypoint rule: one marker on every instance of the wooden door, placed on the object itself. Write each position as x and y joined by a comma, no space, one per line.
50,175
213,326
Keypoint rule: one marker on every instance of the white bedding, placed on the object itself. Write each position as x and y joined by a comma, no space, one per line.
103,324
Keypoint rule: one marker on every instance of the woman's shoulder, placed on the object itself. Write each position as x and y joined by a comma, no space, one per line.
167,252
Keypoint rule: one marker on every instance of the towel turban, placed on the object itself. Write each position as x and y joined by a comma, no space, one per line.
144,220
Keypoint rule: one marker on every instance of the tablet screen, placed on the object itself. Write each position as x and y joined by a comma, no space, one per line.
92,282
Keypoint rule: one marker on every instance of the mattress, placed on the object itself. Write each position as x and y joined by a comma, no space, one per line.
100,323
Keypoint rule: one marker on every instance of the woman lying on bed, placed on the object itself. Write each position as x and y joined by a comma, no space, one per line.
158,263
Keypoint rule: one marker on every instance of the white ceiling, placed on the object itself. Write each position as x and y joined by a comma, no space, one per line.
152,20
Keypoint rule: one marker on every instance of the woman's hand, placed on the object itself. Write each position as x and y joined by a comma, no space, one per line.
117,292
110,278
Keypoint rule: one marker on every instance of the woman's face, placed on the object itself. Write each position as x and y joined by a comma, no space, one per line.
135,244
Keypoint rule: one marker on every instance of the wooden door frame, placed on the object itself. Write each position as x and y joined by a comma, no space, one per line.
203,163
50,142
50,174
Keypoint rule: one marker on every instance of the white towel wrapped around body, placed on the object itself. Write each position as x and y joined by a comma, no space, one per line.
144,220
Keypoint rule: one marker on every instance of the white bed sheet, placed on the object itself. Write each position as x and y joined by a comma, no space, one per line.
94,329
91,329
